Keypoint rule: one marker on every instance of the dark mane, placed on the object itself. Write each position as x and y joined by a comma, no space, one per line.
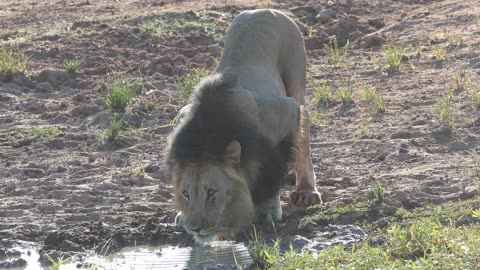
213,122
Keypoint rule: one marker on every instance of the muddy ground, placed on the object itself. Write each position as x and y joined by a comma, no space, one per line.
67,189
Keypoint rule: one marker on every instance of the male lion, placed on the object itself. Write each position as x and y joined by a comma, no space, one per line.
229,153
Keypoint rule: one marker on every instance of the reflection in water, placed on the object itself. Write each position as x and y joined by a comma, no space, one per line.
168,257
160,257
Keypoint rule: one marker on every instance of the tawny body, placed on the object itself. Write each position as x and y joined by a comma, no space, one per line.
251,116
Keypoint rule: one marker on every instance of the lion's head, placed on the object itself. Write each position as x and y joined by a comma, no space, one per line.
213,198
216,156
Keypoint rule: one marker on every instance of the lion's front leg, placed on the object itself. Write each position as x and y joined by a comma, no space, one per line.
306,193
270,211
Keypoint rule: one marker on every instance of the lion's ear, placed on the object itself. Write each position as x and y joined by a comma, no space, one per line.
232,153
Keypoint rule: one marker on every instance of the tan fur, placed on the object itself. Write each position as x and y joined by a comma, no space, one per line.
270,64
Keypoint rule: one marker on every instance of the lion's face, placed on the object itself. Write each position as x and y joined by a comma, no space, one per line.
212,198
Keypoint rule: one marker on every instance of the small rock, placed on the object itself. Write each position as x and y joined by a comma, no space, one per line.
303,11
455,146
298,242
377,23
57,77
56,144
44,87
84,110
381,157
67,245
150,168
315,43
401,196
370,41
342,30
381,223
325,15
16,263
469,192
318,7
307,226
392,202
33,172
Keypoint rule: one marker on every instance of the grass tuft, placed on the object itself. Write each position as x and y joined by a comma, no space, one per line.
57,264
263,254
476,167
378,189
321,92
121,94
72,65
461,81
364,128
445,109
474,95
187,84
316,117
23,137
454,41
345,94
335,55
440,53
114,127
12,61
394,56
374,99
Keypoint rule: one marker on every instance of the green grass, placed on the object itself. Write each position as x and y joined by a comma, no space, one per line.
474,95
394,55
378,189
336,213
72,65
114,127
454,41
316,117
187,84
476,167
12,61
440,53
57,264
345,94
461,81
445,110
168,27
335,55
262,253
23,137
415,242
374,99
121,94
364,128
321,92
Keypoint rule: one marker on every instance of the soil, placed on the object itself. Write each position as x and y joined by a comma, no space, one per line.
64,187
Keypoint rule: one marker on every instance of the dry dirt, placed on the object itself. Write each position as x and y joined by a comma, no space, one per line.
69,190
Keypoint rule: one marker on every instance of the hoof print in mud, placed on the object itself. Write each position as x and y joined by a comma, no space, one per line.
305,198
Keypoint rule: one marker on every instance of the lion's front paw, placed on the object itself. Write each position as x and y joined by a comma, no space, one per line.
305,198
178,219
269,215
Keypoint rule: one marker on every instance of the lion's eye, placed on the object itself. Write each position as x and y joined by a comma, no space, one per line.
185,194
210,194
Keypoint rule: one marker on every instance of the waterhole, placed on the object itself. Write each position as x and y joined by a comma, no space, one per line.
218,255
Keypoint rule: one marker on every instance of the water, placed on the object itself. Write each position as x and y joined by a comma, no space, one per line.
160,257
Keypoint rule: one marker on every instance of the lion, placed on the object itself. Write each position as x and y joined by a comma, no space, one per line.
229,151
